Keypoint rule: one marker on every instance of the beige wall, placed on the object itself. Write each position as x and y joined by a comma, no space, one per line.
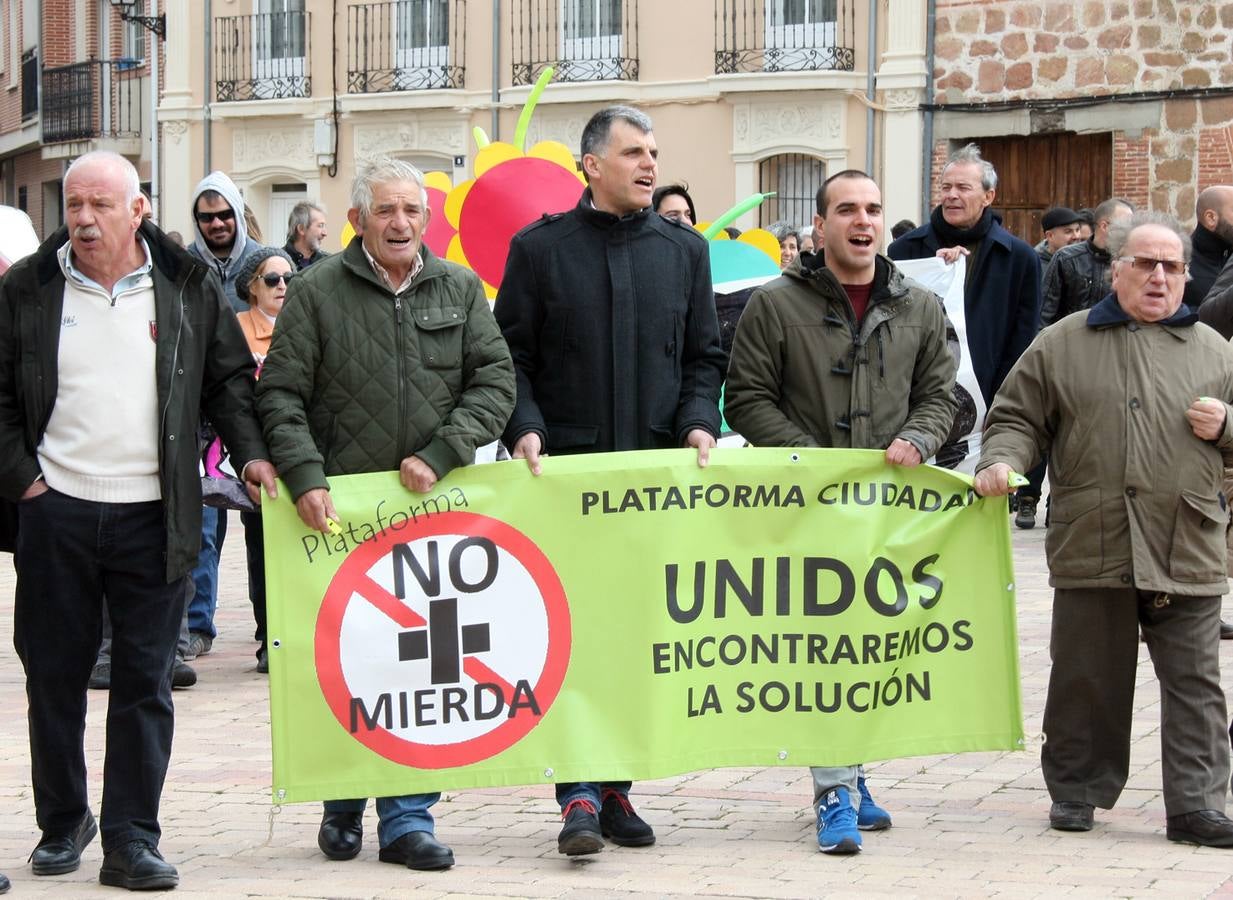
712,130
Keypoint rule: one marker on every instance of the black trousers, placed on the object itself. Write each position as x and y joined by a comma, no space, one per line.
254,544
72,556
1095,649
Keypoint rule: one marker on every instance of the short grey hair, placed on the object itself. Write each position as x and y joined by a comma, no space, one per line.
970,153
382,169
782,230
1108,209
132,181
301,217
599,129
1119,232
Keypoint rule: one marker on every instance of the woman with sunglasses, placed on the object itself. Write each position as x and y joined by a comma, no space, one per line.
262,281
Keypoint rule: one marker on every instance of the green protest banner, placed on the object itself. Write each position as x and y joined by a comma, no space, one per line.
631,616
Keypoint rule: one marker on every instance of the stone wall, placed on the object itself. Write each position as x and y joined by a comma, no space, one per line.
1009,51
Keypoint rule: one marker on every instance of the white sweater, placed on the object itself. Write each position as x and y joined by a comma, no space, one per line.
102,440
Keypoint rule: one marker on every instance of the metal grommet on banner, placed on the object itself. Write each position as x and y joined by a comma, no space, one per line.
276,643
1011,586
795,457
783,754
548,773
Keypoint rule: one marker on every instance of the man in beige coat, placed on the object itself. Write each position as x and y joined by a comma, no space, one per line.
1130,400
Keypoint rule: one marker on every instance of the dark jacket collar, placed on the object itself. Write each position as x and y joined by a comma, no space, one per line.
600,219
1108,312
1209,244
172,260
1098,252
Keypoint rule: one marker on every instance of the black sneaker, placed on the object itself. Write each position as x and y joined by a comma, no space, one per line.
183,675
581,833
263,661
1025,517
618,821
100,677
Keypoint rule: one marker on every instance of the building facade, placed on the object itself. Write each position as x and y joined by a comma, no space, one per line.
1078,102
746,95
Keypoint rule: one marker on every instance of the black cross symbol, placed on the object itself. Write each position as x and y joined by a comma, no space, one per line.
440,641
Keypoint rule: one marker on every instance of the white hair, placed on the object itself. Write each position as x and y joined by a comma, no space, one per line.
970,154
381,170
132,181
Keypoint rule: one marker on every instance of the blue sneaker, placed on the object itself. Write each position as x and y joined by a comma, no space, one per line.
870,816
837,831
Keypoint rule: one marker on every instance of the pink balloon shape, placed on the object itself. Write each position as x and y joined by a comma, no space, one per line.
505,199
439,231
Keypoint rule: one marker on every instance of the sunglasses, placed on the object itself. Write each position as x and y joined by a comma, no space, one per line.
223,215
272,279
1147,264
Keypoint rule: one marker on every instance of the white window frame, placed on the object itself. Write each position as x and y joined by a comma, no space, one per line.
593,44
809,32
265,64
410,53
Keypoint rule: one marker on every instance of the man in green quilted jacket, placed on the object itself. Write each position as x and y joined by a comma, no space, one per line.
384,358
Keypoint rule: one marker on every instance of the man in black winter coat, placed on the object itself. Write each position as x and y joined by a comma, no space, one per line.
1212,241
610,319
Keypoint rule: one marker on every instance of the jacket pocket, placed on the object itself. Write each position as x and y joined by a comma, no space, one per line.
564,438
440,336
663,437
1198,550
1074,543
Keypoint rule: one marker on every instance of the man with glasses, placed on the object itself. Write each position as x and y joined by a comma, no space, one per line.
1131,401
220,236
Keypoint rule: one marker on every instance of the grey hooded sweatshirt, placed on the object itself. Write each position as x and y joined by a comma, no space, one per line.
243,246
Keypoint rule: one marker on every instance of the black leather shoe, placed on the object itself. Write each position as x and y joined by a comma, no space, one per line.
341,834
418,850
621,824
1207,827
58,854
1067,815
1226,631
581,833
138,866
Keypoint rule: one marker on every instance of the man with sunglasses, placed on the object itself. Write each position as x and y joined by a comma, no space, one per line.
220,237
1131,401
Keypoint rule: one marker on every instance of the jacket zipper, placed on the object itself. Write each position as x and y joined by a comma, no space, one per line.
402,412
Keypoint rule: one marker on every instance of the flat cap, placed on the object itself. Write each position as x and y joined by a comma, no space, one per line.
1059,216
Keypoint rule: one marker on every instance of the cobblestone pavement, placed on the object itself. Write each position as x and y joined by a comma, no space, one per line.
965,825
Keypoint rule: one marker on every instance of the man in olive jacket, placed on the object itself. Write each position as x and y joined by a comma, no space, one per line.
843,351
1130,400
113,341
384,358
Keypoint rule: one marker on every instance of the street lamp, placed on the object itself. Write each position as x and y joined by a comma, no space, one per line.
157,24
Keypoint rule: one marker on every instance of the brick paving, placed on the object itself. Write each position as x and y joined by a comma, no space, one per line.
965,825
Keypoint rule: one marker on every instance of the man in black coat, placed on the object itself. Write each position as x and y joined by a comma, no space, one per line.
610,319
1212,241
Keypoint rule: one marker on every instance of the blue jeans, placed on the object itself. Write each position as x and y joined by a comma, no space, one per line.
568,792
396,815
205,576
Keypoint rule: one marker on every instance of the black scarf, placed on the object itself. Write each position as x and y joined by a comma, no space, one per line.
950,236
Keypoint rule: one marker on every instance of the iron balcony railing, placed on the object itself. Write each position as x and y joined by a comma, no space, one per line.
784,35
264,56
98,98
406,45
29,83
583,40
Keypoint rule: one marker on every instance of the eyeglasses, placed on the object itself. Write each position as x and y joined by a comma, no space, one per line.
272,279
1147,265
223,215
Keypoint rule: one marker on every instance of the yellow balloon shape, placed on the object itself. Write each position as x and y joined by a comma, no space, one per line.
454,252
555,151
438,180
347,234
453,201
722,236
763,240
494,154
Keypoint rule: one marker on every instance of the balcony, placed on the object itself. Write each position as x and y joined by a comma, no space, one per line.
92,100
264,56
406,45
583,40
784,36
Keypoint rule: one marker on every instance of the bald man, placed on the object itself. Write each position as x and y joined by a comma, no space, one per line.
1212,239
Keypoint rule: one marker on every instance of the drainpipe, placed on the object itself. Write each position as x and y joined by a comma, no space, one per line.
494,128
207,66
870,87
155,192
927,149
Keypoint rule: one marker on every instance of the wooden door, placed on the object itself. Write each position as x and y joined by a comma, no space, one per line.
1037,172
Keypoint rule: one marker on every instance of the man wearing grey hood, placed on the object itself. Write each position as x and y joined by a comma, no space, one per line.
220,237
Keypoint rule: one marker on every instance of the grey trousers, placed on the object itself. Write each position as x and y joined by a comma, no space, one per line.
827,777
1095,647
